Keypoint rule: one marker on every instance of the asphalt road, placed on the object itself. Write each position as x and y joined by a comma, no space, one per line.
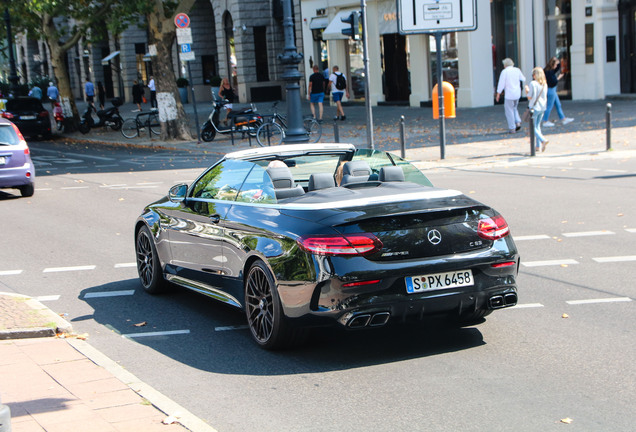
566,352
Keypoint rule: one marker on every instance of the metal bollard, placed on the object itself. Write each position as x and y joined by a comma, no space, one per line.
608,127
533,150
336,133
402,138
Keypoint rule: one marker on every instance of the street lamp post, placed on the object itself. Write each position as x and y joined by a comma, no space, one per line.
13,76
296,132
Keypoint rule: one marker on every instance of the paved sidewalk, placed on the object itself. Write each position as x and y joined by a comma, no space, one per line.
60,383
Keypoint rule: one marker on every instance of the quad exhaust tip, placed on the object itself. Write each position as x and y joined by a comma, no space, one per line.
369,320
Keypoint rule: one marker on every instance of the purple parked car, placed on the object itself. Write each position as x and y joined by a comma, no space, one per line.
16,168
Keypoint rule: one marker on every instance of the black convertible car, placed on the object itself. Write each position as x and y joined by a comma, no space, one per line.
310,235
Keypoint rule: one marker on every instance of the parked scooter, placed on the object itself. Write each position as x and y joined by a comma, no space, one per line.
58,115
244,121
107,117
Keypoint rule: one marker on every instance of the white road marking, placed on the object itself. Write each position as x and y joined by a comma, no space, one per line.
43,189
66,269
526,306
228,328
106,166
588,233
133,187
74,187
150,334
113,185
125,265
10,272
600,300
150,183
630,230
549,263
590,169
47,298
615,259
532,237
616,171
100,294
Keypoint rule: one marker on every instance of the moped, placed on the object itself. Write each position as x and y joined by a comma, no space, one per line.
244,121
107,117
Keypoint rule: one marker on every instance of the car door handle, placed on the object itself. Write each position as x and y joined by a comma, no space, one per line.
215,218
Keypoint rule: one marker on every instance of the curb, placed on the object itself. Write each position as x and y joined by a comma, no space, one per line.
180,414
61,325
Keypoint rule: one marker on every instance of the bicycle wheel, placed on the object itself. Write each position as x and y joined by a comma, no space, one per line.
129,128
153,122
314,129
269,134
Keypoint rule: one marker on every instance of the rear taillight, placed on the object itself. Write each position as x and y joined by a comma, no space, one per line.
8,115
27,151
348,244
44,114
20,136
493,228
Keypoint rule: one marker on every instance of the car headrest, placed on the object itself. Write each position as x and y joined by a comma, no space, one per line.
356,168
281,177
391,174
321,181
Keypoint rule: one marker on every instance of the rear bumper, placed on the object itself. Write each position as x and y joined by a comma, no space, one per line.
17,176
41,126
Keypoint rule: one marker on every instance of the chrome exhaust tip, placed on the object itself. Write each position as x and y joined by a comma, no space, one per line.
496,302
510,299
359,321
379,319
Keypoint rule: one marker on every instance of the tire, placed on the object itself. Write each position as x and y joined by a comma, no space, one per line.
117,123
148,264
84,127
314,130
208,133
27,190
264,312
269,134
155,126
129,128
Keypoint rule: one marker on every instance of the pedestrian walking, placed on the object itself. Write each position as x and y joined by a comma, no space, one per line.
338,86
537,92
153,92
137,94
101,94
226,92
552,76
316,92
510,82
89,91
52,93
36,92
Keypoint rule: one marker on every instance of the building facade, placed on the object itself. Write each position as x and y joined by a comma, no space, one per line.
583,34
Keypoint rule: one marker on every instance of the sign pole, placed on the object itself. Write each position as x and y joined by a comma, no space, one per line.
367,92
194,104
440,95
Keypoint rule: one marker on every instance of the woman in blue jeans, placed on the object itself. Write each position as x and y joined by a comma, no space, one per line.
552,77
537,92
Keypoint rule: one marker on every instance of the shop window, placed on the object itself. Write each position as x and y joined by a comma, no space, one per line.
505,40
356,70
260,53
558,28
208,65
450,62
142,66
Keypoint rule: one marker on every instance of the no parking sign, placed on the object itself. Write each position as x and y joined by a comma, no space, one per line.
182,20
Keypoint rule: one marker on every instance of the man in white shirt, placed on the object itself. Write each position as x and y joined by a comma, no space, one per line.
510,82
337,93
153,92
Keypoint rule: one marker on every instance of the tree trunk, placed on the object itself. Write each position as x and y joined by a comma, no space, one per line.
59,68
174,123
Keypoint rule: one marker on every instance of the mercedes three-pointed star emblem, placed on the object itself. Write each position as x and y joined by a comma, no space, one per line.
434,236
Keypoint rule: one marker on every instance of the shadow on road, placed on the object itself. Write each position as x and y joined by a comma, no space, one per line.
211,346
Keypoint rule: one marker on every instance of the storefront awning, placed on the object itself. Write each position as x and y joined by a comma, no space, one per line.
334,29
109,57
318,23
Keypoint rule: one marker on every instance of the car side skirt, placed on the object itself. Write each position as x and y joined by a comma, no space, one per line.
202,288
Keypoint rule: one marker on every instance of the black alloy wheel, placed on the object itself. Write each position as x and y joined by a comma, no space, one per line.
148,265
264,311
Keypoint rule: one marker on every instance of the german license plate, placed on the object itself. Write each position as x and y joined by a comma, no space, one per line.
27,117
2,160
437,281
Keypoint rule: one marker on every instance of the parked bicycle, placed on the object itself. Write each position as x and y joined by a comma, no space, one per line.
272,131
132,127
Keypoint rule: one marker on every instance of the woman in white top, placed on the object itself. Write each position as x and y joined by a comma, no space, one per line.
537,92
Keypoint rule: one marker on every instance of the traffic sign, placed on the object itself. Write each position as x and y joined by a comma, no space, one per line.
430,16
182,20
185,48
187,56
184,35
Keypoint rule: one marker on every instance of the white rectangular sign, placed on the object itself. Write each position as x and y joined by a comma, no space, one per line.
186,56
184,35
430,16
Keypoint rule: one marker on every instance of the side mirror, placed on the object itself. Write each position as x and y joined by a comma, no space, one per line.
178,193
